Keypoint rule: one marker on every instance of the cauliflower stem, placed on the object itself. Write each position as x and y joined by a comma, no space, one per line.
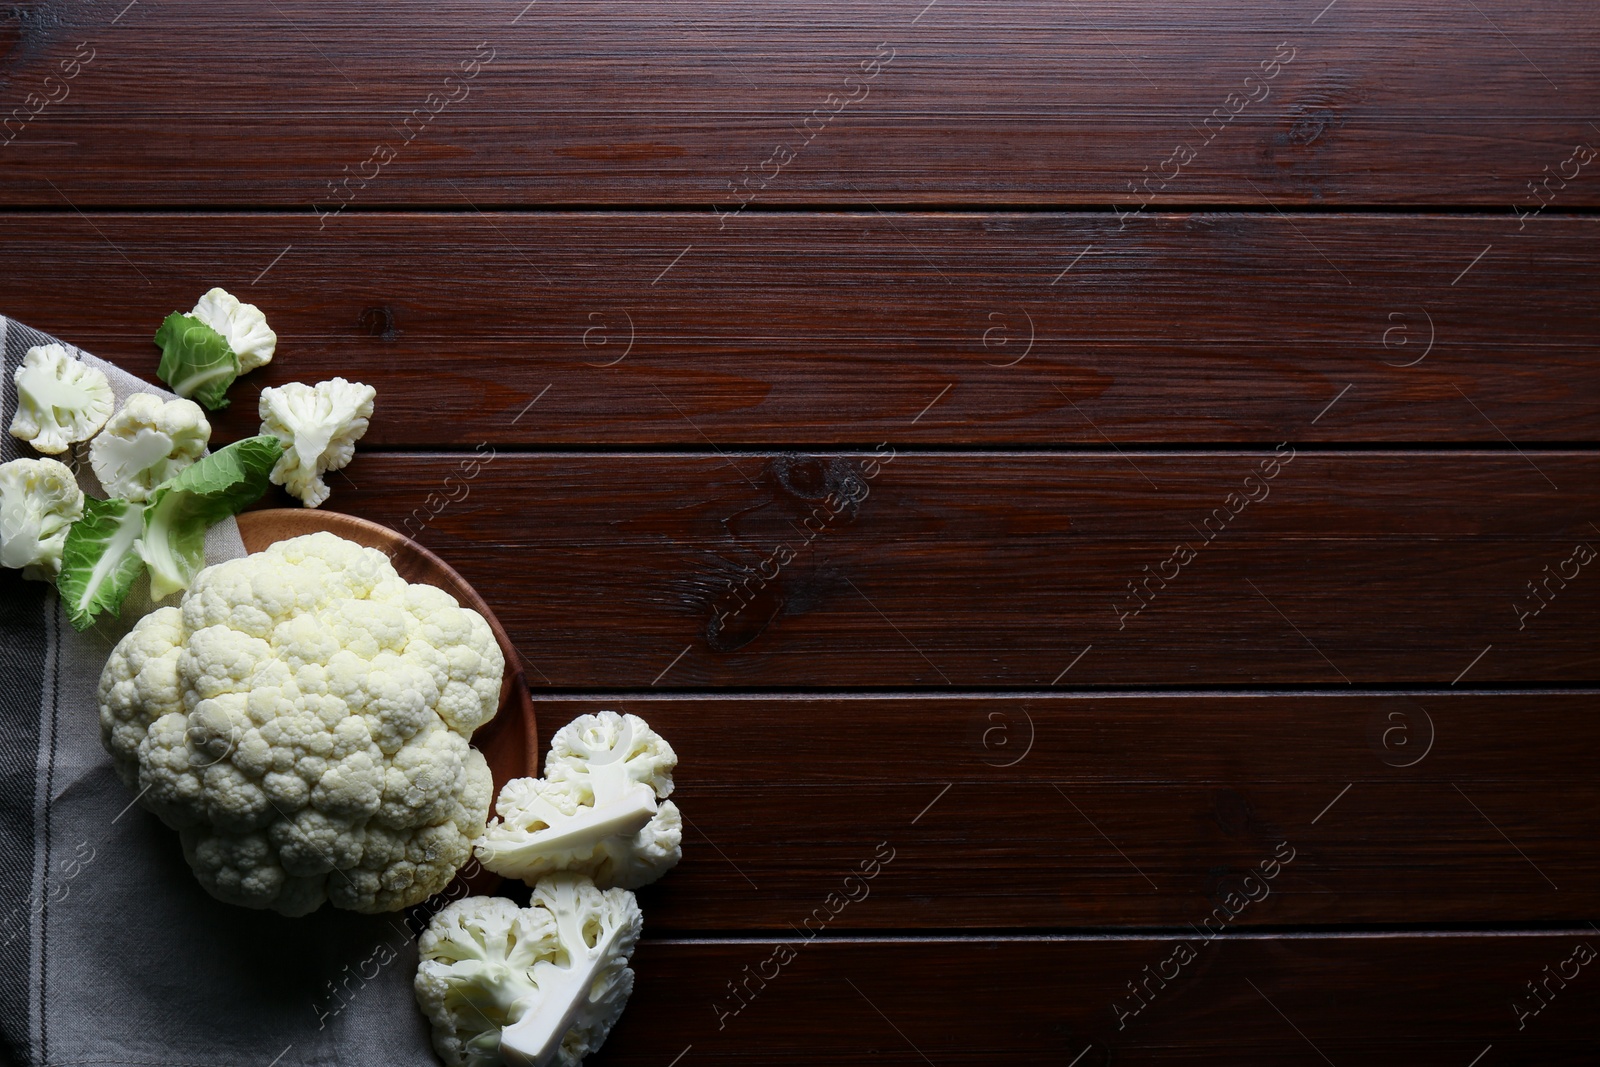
586,985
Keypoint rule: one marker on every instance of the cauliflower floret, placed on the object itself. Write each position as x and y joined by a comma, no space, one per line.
541,985
60,400
241,868
281,720
595,810
319,427
242,325
39,500
147,442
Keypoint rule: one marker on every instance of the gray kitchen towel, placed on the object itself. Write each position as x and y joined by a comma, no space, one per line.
110,952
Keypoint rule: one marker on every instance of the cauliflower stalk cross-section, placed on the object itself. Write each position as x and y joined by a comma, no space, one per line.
60,400
595,811
319,426
146,443
540,986
302,720
39,501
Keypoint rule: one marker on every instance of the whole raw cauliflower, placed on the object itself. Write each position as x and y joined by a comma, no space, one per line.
302,721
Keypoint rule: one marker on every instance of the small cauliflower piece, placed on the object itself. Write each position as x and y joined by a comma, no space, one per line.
39,501
595,811
147,442
540,986
60,400
290,721
242,325
319,427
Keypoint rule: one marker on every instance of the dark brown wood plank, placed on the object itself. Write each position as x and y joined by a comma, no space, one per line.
620,570
1104,102
1410,1001
860,328
1044,811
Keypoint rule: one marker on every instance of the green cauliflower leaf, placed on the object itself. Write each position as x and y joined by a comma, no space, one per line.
202,495
100,559
196,360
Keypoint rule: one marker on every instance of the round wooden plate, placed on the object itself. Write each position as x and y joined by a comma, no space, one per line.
510,741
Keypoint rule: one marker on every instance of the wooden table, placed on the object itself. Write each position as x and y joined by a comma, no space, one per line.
1101,496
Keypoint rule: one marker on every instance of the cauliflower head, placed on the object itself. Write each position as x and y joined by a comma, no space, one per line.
39,501
319,426
60,400
302,720
242,325
531,987
147,442
595,811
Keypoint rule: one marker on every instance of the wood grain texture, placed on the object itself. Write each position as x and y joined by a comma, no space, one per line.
1054,812
626,368
1408,1001
621,571
858,328
1365,101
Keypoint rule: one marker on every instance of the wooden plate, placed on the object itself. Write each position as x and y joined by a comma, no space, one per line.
509,741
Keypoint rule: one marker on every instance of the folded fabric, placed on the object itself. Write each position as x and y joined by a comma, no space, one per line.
110,952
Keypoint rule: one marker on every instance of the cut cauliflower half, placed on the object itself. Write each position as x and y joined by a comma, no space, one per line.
39,501
319,426
242,325
476,974
596,809
540,986
302,720
60,400
147,442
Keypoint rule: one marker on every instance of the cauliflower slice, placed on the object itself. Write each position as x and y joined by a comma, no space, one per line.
595,810
39,501
319,427
242,325
146,443
475,978
60,400
532,987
